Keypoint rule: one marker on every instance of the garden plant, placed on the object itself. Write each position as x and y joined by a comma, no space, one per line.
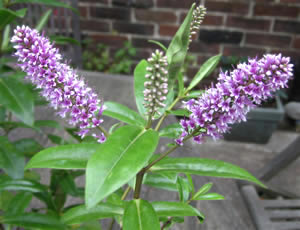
117,162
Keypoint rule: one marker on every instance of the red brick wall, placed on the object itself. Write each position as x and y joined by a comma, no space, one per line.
231,27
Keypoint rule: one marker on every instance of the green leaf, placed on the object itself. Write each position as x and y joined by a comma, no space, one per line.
171,131
204,167
204,189
178,47
10,125
180,112
205,70
139,80
5,198
63,40
33,220
118,160
180,84
43,20
56,139
47,123
80,214
123,113
15,96
19,203
54,3
28,146
166,208
159,44
7,16
183,189
11,160
140,215
6,38
159,181
209,196
21,185
194,94
2,114
91,225
73,156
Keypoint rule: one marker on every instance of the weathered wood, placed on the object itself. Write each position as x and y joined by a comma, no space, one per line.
287,225
281,203
283,214
281,161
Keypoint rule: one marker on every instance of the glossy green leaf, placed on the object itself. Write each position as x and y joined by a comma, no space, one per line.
204,189
183,189
206,69
15,96
21,185
47,123
194,93
10,125
209,196
180,84
6,38
140,215
80,214
180,112
11,160
159,181
43,20
91,225
19,203
123,113
56,139
191,183
169,208
204,167
2,113
34,220
114,127
7,16
28,146
54,3
167,102
139,80
62,40
171,131
159,44
63,157
117,161
5,198
178,47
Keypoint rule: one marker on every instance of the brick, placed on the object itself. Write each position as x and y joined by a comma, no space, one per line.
248,24
295,55
155,16
183,4
227,7
94,25
210,20
110,40
83,11
296,43
133,28
265,1
290,1
202,58
275,10
268,40
134,3
220,36
111,13
167,30
201,47
242,51
141,54
292,27
96,1
143,43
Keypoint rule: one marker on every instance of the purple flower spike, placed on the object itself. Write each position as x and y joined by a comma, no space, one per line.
58,82
234,95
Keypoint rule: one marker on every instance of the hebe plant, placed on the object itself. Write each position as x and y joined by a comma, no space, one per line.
127,154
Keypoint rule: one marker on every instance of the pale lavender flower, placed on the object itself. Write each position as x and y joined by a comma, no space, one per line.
234,95
58,82
198,16
156,85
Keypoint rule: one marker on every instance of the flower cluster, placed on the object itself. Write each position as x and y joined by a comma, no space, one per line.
156,85
234,95
58,82
198,16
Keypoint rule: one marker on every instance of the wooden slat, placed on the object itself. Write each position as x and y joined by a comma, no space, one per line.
283,214
281,203
287,225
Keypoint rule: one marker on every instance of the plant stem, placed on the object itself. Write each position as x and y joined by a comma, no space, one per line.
165,114
138,184
106,134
